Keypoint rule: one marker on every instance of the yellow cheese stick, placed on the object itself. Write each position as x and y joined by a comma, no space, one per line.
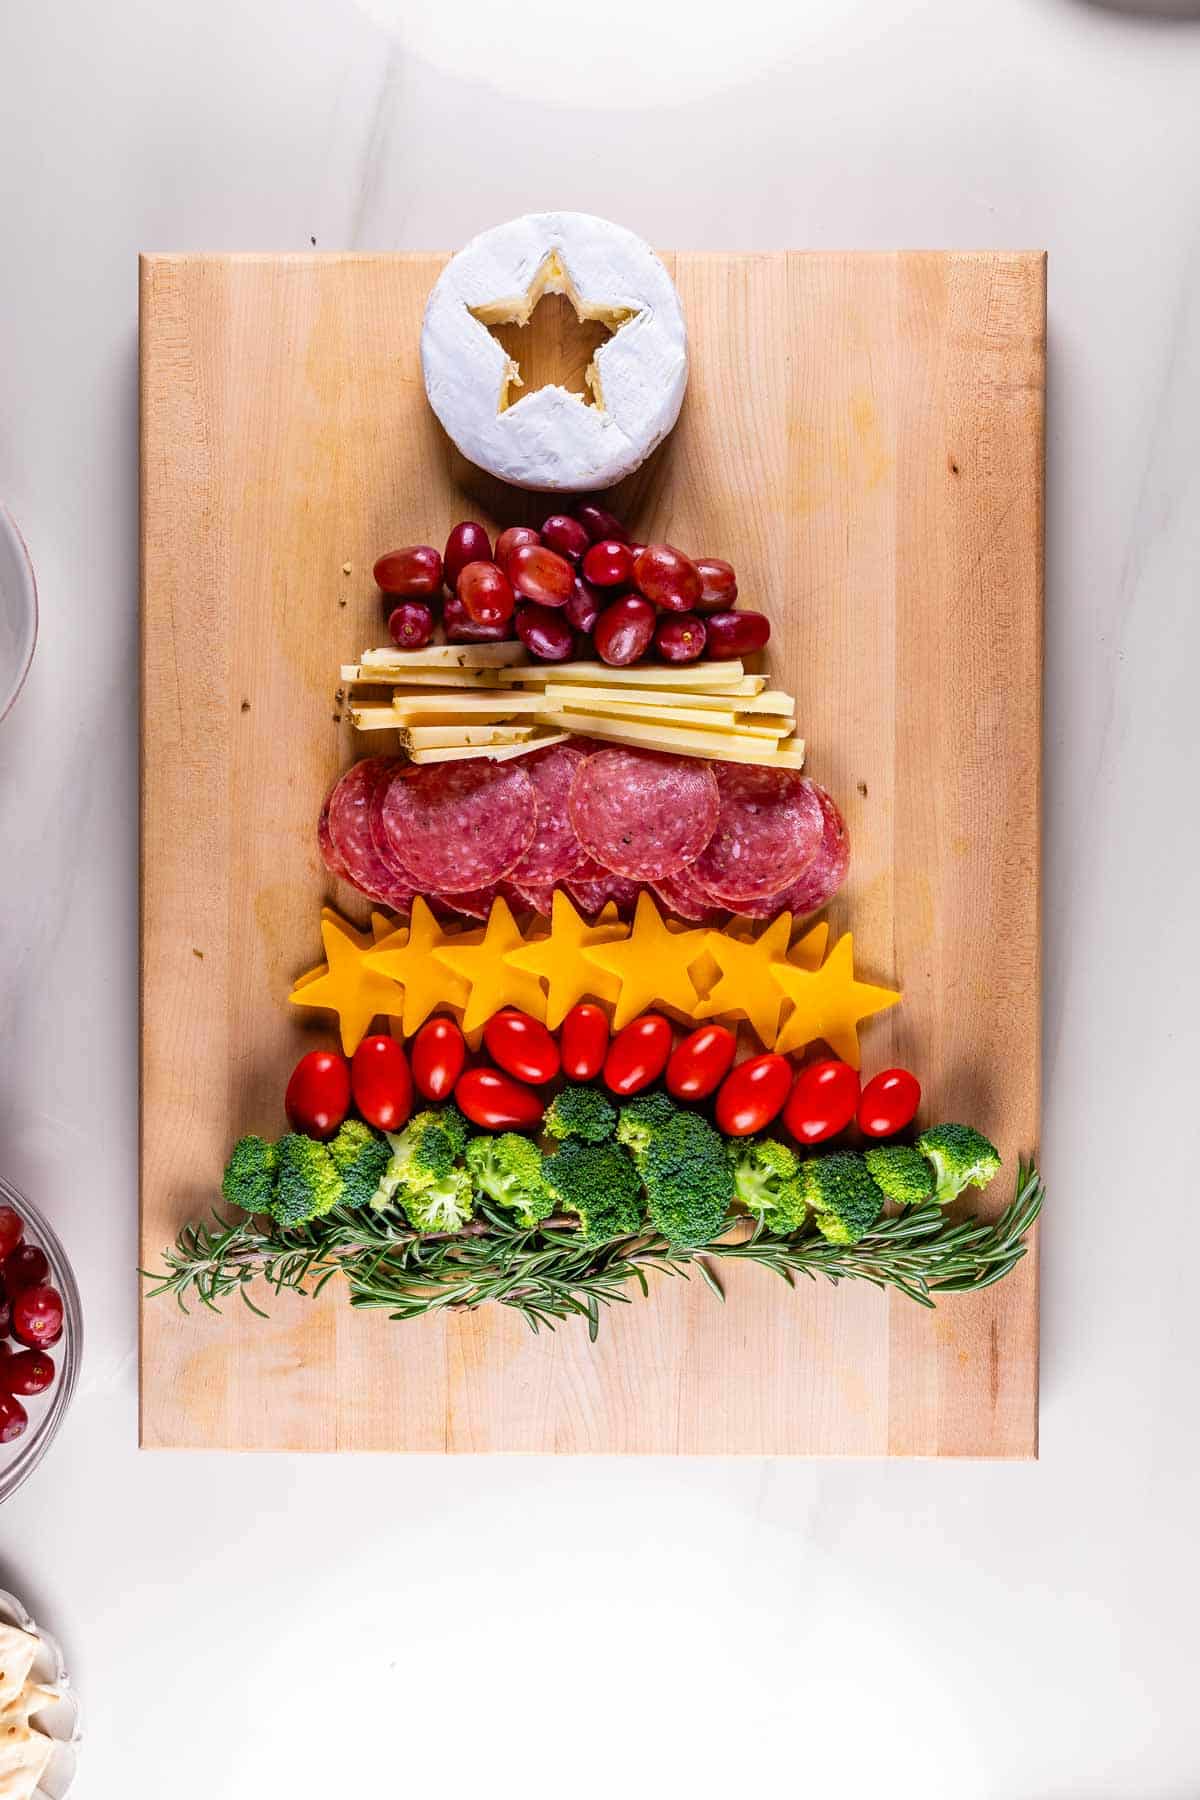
410,707
373,718
502,752
445,737
723,675
579,695
354,675
788,754
703,718
446,656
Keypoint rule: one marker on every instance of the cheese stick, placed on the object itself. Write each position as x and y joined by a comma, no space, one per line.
787,754
705,675
447,656
502,752
445,737
491,705
353,674
703,718
570,694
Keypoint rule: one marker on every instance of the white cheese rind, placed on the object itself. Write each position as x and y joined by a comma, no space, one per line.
553,440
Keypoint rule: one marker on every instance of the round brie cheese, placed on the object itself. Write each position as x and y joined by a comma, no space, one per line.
552,439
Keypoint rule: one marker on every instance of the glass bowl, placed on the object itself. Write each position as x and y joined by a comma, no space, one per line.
46,1411
18,611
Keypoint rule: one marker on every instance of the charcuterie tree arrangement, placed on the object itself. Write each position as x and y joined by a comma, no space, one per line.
594,860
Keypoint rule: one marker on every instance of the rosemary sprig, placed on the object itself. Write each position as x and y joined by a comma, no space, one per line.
547,1275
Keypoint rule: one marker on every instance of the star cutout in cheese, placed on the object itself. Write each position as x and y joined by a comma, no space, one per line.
744,988
484,967
551,277
346,985
409,961
828,1003
651,965
560,961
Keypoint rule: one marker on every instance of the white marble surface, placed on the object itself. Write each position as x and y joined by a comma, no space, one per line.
969,1631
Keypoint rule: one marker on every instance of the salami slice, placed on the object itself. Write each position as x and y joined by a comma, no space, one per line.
768,830
457,826
350,834
474,905
820,880
594,886
682,895
389,768
329,855
641,813
529,899
555,851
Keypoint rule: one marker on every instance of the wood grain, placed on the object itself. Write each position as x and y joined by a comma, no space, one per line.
863,438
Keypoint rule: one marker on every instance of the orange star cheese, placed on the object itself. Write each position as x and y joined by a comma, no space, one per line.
828,1002
410,960
482,966
559,959
744,988
651,964
347,986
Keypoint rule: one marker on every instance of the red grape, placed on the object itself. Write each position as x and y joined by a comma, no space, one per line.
733,634
38,1316
414,572
608,564
486,593
512,539
13,1418
666,576
27,1267
5,1317
718,585
540,574
624,630
583,608
679,637
467,543
566,535
600,524
544,632
410,624
462,629
28,1372
12,1230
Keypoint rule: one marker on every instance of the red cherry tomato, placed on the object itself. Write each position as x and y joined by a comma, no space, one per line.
700,1062
26,1267
318,1094
12,1230
584,1041
638,1054
38,1317
28,1372
381,1083
439,1051
496,1102
752,1094
521,1045
822,1102
889,1102
13,1419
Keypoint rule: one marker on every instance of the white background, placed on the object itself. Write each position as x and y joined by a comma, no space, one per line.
275,1626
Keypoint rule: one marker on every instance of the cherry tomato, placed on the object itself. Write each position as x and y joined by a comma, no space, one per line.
12,1230
700,1062
889,1102
822,1102
26,1267
13,1418
439,1051
28,1372
521,1045
584,1041
318,1094
638,1054
382,1085
752,1094
38,1316
496,1102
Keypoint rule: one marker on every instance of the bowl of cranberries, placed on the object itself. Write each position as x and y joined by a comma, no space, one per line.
40,1337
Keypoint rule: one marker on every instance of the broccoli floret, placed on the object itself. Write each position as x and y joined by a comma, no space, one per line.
766,1179
423,1153
309,1183
641,1117
839,1189
443,1205
360,1156
249,1179
581,1112
900,1173
508,1168
688,1180
600,1183
961,1157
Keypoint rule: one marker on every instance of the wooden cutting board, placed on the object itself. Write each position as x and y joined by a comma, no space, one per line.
863,438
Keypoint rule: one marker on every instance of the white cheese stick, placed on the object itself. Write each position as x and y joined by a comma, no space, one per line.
490,705
704,675
353,674
571,694
447,656
373,718
785,754
702,718
502,752
445,737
